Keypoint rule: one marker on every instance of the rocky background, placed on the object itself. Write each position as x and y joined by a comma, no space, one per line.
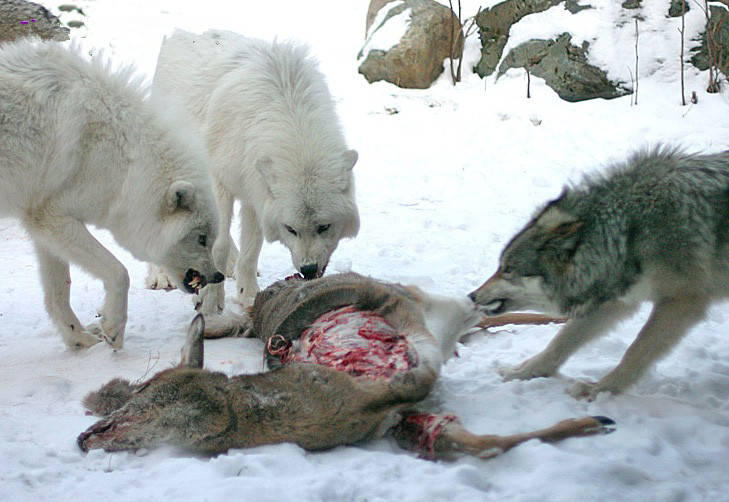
434,35
434,32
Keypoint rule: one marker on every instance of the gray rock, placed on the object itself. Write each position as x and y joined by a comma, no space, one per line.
675,9
631,4
574,6
14,12
564,67
417,60
494,24
719,25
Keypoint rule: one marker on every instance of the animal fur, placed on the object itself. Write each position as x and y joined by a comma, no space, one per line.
654,228
313,405
276,146
80,145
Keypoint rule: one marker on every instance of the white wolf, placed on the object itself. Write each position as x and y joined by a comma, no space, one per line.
79,145
275,143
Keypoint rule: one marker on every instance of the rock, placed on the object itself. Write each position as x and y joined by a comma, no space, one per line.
675,9
564,68
75,24
70,8
494,25
14,12
372,10
574,6
719,25
631,4
417,59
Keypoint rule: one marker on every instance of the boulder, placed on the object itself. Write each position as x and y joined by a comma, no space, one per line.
416,60
564,67
675,9
16,21
494,24
719,26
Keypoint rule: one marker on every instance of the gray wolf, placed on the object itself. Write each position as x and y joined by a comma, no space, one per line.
276,145
354,357
654,228
79,145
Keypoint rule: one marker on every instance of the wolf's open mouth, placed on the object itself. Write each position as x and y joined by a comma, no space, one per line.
193,281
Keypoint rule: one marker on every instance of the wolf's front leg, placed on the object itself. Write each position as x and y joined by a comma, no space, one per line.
56,290
251,241
571,337
668,322
68,240
158,278
225,254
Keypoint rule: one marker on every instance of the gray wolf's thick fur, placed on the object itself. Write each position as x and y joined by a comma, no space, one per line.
655,228
79,145
314,403
276,145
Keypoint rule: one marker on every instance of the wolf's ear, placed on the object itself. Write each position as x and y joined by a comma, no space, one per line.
350,159
193,351
264,165
566,236
180,195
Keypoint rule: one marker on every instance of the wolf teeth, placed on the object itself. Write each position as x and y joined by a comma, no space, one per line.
494,305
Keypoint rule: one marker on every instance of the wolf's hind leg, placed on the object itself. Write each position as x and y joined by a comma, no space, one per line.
442,436
572,336
668,322
56,289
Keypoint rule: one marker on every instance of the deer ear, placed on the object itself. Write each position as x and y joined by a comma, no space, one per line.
193,353
181,195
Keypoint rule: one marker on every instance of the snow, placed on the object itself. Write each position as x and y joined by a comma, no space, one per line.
388,35
442,185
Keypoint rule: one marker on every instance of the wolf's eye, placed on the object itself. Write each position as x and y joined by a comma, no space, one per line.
291,230
202,240
322,228
506,270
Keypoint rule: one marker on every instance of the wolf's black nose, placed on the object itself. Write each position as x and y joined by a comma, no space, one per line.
217,277
308,270
472,297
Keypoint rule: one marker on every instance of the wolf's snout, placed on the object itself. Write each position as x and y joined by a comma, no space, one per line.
309,270
472,297
217,277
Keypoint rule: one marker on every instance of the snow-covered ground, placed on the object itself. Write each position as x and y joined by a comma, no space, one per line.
442,185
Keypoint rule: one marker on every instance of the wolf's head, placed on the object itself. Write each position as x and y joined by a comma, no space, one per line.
310,215
190,230
535,265
166,211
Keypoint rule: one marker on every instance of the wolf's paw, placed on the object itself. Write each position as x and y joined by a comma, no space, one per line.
210,300
85,338
585,390
157,278
245,300
524,371
110,332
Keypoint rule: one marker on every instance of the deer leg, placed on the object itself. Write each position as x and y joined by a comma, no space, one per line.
442,436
